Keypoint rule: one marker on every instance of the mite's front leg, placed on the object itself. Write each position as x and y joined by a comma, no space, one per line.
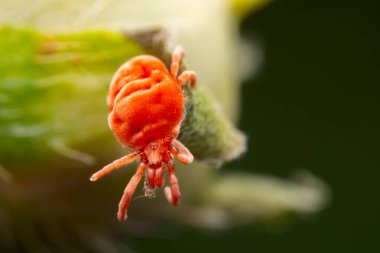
177,55
151,178
186,75
158,177
128,192
114,166
181,152
172,192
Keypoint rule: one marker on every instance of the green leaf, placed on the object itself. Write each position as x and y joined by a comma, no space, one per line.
54,87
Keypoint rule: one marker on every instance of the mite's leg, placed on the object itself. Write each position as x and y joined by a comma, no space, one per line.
114,165
186,75
172,192
178,53
151,178
181,152
128,192
159,174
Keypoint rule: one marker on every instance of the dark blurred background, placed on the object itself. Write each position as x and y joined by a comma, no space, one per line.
313,105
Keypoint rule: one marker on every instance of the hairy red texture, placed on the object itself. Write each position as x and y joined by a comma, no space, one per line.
147,108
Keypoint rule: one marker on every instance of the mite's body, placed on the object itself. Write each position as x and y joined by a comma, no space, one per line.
146,106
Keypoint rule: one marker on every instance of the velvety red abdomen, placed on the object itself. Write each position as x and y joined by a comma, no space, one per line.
145,102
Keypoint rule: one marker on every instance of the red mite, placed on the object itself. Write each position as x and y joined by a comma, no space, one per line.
146,107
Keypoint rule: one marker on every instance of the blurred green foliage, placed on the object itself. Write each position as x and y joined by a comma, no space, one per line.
48,81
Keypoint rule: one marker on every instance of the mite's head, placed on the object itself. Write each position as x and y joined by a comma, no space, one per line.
155,154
